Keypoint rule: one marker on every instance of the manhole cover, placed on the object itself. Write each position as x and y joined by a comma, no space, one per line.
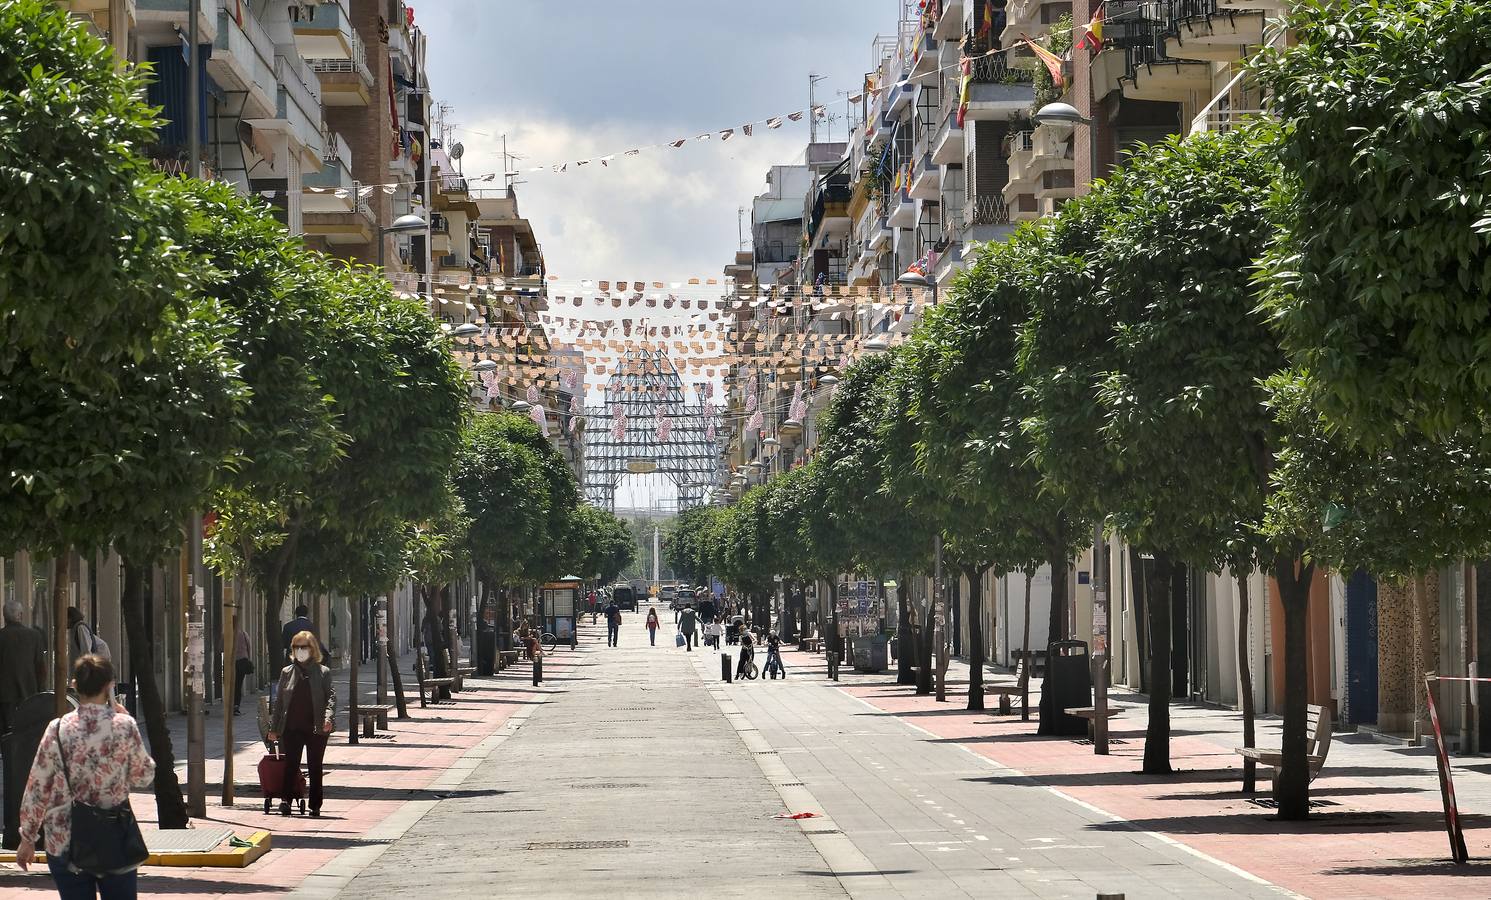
576,845
763,753
825,831
608,785
185,840
789,784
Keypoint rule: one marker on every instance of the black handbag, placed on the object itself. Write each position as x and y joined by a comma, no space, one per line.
104,841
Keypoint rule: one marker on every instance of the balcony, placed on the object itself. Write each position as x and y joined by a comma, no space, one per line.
1022,155
243,60
1204,30
880,235
323,30
924,59
902,210
949,25
331,190
173,14
299,103
948,144
1032,18
985,209
925,178
999,89
345,82
1222,120
440,239
1054,187
1135,31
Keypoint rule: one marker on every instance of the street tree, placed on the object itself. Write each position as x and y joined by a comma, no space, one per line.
1379,277
88,264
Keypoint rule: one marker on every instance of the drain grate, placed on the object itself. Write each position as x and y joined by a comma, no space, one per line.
763,753
1271,803
576,845
607,785
1087,742
824,831
788,784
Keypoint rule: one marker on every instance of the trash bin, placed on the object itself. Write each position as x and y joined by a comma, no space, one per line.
28,722
1068,684
871,654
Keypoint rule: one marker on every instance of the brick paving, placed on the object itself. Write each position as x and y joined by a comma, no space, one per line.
366,785
1380,834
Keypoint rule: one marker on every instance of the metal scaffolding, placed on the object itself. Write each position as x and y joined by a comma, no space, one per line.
661,433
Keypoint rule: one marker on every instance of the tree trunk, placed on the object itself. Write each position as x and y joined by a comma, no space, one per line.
1157,735
928,648
1025,672
274,598
975,638
1292,783
1056,624
61,633
391,651
1245,674
170,805
905,651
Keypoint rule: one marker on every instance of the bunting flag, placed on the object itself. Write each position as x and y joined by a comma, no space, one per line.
1092,39
795,117
532,396
751,402
774,122
986,28
539,419
727,134
966,64
709,432
755,422
1054,64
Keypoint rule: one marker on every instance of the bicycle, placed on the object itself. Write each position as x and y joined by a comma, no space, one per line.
548,641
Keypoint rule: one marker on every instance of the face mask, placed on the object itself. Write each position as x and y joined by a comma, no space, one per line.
302,654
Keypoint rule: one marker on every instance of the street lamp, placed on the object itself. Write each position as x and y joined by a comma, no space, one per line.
915,277
522,406
877,344
464,330
1063,119
484,365
401,225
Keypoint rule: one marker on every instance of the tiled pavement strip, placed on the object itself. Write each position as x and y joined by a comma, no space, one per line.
917,798
373,790
1379,834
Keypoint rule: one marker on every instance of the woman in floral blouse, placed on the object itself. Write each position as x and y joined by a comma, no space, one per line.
105,759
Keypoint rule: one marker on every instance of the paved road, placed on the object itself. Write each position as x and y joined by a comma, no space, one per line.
643,775
633,756
935,820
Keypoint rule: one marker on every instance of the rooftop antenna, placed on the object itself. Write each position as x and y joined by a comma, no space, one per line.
813,80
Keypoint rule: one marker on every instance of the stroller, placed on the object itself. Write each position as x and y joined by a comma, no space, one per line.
734,630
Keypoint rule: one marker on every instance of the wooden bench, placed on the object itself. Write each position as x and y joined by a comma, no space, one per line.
372,718
1317,745
458,673
428,684
1005,691
506,658
812,644
1090,713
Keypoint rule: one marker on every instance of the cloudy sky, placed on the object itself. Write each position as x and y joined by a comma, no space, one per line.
582,78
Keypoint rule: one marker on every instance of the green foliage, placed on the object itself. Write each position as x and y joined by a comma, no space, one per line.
1382,267
603,543
124,464
864,518
683,544
436,549
520,497
87,264
1186,435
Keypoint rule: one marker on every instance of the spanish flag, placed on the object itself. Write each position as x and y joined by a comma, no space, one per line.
966,65
1054,64
1093,38
987,28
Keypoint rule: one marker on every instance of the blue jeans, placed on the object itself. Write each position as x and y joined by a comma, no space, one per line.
77,886
613,633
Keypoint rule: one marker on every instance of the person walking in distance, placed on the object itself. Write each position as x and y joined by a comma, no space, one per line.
686,624
81,640
301,622
243,666
652,626
92,756
304,713
23,666
613,624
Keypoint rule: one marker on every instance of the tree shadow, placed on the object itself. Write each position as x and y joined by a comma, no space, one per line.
1266,822
1096,779
1442,868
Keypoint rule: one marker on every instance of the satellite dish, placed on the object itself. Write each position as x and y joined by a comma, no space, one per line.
457,150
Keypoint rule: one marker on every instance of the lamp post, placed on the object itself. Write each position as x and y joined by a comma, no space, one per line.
915,277
401,225
1064,119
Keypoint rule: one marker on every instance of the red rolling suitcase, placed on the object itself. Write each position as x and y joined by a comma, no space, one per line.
278,780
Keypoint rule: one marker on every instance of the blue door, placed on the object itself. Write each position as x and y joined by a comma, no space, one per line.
1361,648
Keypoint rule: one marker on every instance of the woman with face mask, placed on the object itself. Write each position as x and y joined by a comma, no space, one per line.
304,712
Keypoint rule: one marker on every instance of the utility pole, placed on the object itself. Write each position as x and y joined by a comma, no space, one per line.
657,538
193,94
939,627
1099,643
230,685
195,597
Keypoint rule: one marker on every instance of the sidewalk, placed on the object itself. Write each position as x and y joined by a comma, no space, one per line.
1379,812
367,786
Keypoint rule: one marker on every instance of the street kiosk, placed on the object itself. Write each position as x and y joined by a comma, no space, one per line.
561,601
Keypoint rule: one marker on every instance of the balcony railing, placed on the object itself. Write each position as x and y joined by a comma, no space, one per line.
997,70
986,209
358,63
